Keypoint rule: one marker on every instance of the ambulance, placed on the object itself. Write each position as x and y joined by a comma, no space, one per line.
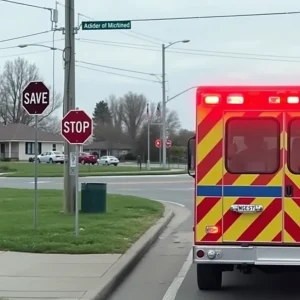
245,159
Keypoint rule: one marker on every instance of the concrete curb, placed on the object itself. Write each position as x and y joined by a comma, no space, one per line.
115,275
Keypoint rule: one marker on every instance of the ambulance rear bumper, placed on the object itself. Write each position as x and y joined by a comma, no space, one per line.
255,255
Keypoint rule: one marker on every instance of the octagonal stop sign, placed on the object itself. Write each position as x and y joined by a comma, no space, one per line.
76,127
35,98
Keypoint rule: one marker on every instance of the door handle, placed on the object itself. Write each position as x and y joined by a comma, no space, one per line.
288,191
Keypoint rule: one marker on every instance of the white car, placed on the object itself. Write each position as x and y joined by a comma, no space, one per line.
108,160
51,157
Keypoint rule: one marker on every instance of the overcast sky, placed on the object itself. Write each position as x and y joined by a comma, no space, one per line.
135,50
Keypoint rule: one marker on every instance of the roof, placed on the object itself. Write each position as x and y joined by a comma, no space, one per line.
107,145
22,132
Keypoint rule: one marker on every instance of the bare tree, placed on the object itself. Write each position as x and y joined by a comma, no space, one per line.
51,124
116,111
172,121
132,109
15,76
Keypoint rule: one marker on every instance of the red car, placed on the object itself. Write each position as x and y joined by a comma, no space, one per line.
86,158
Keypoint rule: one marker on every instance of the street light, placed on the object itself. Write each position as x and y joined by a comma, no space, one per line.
38,45
53,62
164,102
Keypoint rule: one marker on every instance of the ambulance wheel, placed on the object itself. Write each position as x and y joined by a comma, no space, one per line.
209,277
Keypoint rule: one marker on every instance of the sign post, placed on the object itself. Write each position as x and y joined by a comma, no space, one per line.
77,127
35,100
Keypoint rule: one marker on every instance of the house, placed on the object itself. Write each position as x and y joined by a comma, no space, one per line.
17,141
107,148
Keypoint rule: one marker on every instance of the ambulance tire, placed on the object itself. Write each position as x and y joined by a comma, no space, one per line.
209,277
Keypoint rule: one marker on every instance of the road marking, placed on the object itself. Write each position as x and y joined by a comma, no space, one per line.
40,182
135,176
176,283
144,182
165,201
178,189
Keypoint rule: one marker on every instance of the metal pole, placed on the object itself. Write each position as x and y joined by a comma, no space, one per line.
148,135
164,149
69,100
159,149
76,194
35,170
53,69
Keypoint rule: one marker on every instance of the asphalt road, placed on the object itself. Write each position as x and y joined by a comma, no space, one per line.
166,272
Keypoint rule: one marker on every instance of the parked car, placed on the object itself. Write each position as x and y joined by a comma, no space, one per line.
86,158
108,160
51,157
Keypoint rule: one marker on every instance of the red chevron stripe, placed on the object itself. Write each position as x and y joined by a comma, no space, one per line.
291,227
262,221
278,237
207,124
209,161
230,217
205,206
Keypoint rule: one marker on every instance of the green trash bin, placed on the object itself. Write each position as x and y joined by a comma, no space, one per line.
93,197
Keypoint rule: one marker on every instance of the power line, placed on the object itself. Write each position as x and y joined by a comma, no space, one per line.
131,35
115,68
25,4
24,53
188,49
117,74
202,54
37,43
24,36
217,16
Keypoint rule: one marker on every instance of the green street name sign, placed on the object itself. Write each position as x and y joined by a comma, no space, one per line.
106,25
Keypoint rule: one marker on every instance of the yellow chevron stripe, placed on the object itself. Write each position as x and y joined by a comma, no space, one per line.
272,229
213,137
214,175
287,238
245,220
209,141
211,218
202,112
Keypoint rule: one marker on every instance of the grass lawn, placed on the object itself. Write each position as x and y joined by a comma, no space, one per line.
127,218
16,169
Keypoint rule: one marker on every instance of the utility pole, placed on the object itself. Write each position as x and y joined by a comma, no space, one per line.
164,102
69,101
164,107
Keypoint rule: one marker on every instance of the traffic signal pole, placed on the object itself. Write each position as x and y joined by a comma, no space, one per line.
69,101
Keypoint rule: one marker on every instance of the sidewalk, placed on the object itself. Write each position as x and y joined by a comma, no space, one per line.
72,277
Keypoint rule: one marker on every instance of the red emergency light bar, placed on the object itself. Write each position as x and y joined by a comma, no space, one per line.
233,97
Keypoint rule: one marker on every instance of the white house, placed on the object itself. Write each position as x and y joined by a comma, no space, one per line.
17,141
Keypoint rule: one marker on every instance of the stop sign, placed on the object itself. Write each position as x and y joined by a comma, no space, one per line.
76,127
35,98
158,143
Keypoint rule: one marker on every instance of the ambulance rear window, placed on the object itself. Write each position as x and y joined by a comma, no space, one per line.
294,146
252,145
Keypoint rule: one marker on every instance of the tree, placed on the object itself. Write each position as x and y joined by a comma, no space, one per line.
172,123
15,76
116,111
51,124
132,110
102,114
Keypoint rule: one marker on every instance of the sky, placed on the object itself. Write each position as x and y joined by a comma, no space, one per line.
214,55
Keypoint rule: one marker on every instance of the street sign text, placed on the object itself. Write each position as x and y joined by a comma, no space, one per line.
35,98
77,127
106,25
